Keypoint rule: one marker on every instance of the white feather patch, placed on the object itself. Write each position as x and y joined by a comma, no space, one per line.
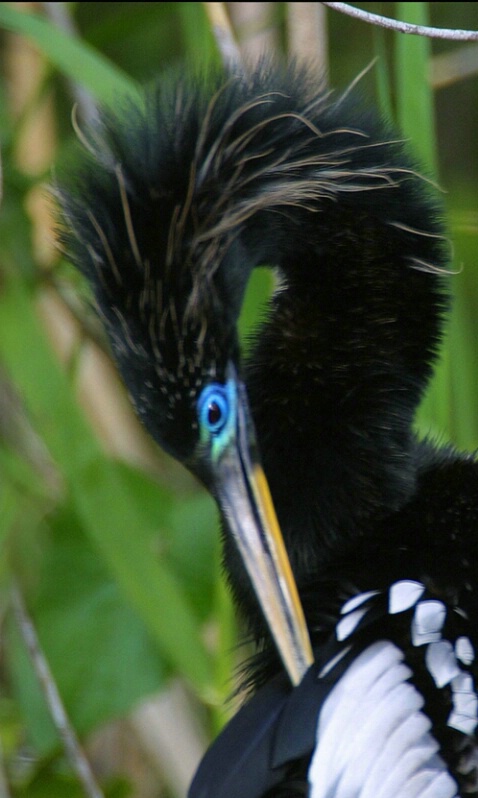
461,722
466,704
427,623
349,623
333,662
441,662
371,732
403,595
357,601
463,683
464,715
464,650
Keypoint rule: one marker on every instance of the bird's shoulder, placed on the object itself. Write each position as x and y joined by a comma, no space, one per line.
413,611
394,624
389,708
432,537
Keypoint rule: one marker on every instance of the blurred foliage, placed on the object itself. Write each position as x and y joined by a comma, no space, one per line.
115,549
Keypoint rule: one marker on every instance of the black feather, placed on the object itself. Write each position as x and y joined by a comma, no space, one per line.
186,194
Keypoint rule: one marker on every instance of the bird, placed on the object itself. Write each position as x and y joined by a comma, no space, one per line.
350,543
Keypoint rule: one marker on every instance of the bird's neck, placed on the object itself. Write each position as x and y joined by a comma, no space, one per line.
336,454
334,380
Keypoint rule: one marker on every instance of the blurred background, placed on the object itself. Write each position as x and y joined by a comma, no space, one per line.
109,552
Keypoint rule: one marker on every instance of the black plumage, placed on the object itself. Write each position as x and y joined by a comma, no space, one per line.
182,198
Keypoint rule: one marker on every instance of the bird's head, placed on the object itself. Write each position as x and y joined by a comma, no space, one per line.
145,218
181,198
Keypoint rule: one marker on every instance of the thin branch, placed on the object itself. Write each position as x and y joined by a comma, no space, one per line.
223,33
405,27
73,750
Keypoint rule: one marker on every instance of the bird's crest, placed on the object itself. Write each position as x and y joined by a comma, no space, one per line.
181,200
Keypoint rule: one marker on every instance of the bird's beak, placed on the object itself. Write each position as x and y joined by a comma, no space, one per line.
243,494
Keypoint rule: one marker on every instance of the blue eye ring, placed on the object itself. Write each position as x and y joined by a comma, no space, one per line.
214,408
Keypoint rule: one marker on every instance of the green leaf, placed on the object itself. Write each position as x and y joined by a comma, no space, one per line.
382,72
111,513
48,782
415,101
123,532
75,58
100,653
463,335
416,117
198,38
258,291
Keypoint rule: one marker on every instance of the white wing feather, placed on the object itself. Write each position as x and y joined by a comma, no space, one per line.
373,740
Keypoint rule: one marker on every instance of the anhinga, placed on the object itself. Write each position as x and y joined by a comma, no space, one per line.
186,194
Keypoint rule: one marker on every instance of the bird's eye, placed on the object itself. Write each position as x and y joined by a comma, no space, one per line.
214,414
213,408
